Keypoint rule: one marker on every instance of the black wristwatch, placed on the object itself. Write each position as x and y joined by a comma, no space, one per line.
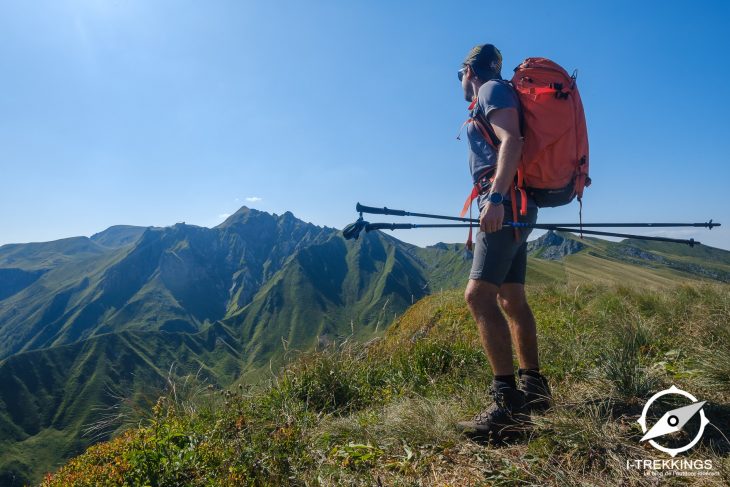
495,198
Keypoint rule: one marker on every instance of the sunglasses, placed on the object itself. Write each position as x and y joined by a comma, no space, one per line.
461,72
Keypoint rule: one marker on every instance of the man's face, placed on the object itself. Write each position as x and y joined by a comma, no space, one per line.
466,74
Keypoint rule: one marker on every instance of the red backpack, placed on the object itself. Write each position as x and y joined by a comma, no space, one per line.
554,165
553,168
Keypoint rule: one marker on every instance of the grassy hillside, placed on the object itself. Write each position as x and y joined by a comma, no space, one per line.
383,413
330,290
51,397
47,255
637,262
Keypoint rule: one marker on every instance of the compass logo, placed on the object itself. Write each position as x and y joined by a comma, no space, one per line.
689,418
673,421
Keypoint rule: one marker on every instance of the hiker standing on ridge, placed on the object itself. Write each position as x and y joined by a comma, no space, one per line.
497,277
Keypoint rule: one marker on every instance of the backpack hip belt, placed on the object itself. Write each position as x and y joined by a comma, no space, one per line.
482,187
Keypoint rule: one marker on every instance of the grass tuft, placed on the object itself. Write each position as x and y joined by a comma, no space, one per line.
622,363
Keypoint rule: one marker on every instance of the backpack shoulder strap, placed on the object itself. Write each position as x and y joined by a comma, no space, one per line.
486,130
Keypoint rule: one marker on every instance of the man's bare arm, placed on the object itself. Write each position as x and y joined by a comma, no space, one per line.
506,125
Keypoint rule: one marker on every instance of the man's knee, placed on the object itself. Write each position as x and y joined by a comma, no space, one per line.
480,293
512,298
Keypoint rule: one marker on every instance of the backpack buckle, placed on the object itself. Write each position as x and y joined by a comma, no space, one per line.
559,93
484,184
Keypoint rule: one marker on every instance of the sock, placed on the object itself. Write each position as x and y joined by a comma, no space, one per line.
505,380
531,372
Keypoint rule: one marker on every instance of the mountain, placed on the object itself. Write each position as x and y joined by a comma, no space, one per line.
87,324
554,246
118,236
337,288
177,278
89,321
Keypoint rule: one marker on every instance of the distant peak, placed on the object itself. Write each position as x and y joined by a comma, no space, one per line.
242,215
244,210
555,245
247,215
439,245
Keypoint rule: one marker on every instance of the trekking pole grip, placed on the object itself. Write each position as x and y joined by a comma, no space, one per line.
379,211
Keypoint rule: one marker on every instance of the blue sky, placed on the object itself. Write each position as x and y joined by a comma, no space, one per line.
152,113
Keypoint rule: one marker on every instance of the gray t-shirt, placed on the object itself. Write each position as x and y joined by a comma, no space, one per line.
493,94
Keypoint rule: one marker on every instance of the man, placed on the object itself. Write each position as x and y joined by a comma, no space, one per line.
497,277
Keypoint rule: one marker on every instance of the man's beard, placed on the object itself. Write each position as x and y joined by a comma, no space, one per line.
469,93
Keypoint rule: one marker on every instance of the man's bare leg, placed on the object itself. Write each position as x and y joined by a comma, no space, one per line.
512,299
506,414
494,331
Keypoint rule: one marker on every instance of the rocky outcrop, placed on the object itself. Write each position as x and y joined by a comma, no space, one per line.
553,246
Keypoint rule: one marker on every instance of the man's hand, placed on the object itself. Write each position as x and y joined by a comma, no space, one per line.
491,218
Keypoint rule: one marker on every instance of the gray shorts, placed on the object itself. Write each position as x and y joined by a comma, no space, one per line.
498,257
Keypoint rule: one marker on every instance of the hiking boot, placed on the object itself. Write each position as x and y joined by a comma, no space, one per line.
537,391
505,417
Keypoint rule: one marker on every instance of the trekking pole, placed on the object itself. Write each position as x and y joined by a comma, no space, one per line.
388,211
369,227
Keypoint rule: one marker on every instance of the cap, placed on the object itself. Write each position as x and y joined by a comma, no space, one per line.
485,56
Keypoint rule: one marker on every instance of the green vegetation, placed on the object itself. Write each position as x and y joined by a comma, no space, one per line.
53,397
383,412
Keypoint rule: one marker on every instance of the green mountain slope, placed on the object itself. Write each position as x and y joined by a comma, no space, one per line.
47,255
566,258
175,279
49,397
336,288
118,236
14,280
